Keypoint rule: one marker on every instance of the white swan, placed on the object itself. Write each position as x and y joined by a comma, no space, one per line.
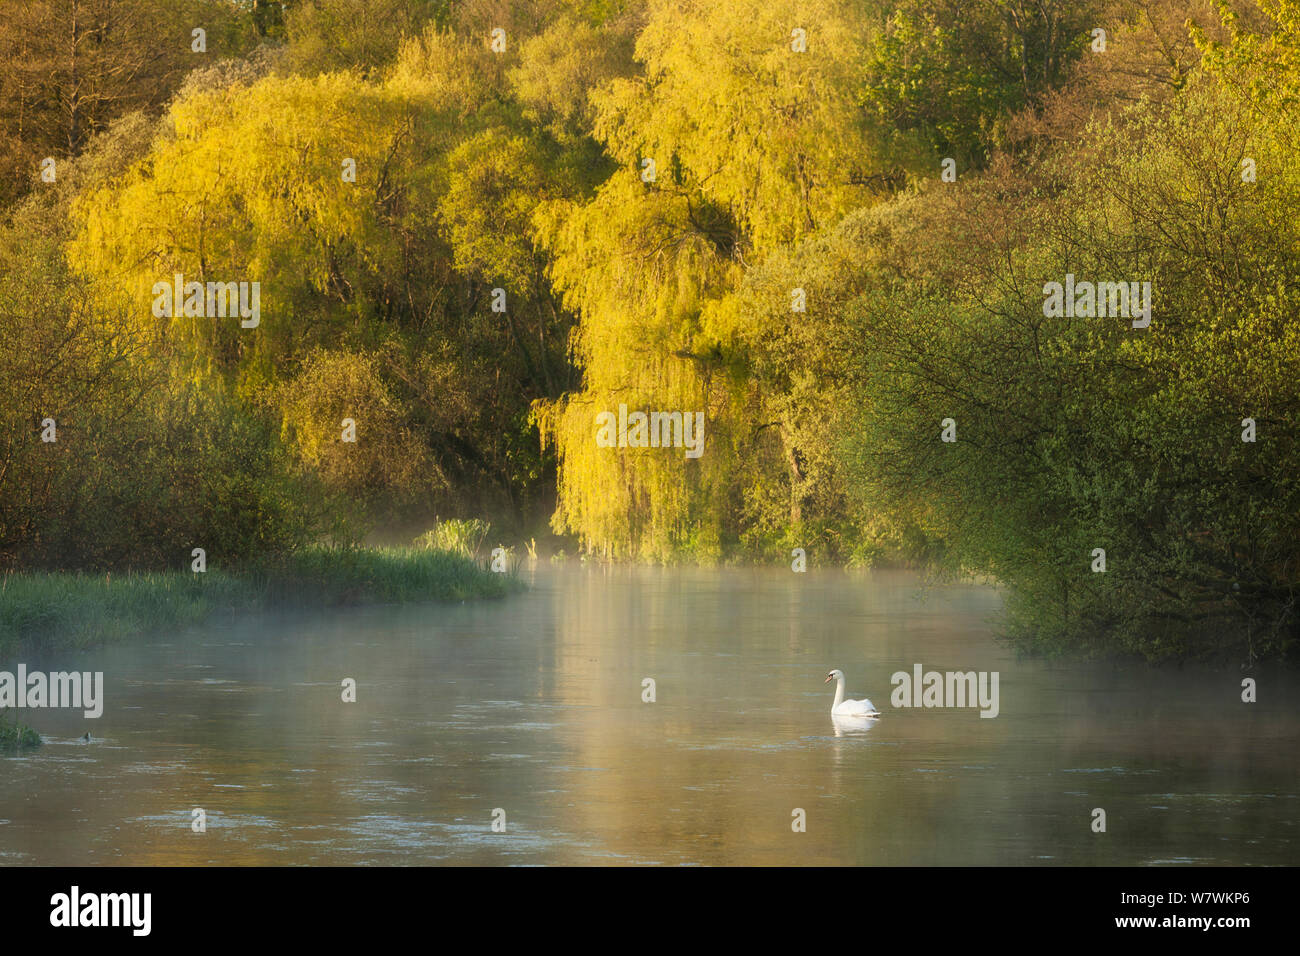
848,708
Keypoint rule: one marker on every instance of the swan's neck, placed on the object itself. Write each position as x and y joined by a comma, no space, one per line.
839,692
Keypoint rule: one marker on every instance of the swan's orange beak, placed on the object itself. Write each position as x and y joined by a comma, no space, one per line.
827,680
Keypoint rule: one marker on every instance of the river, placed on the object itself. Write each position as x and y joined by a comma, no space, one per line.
528,713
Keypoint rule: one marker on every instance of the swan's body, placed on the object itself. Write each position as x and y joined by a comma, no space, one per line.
848,708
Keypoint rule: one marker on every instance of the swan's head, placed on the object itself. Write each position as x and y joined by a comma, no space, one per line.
834,675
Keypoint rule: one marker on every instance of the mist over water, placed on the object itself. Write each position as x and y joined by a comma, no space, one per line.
533,704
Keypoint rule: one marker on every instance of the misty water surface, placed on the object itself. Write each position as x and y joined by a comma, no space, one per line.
533,704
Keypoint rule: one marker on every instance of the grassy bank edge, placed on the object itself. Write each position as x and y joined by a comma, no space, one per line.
49,611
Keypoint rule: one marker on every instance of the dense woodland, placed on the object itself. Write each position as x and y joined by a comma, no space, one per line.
739,208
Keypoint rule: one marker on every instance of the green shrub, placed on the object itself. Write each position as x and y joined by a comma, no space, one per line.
15,736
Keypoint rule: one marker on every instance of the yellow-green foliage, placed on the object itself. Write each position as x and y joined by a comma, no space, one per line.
244,184
768,134
1265,61
640,291
333,386
375,293
754,145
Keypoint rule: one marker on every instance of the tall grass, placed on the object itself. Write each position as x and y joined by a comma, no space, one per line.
345,575
59,610
457,536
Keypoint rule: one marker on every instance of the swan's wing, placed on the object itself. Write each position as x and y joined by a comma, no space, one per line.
855,708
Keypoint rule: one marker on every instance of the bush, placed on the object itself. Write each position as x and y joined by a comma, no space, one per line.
15,736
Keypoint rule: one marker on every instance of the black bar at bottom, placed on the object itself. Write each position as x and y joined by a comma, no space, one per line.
333,905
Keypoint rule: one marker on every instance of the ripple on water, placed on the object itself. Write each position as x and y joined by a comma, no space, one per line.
214,820
525,758
155,767
376,791
591,769
490,704
432,840
1115,770
1178,861
1224,799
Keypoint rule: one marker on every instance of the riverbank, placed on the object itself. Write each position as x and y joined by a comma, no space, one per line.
56,610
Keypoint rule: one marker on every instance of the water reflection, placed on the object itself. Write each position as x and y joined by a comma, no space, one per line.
851,726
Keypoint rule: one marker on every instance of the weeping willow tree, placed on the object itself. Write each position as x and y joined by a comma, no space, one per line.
739,138
376,217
